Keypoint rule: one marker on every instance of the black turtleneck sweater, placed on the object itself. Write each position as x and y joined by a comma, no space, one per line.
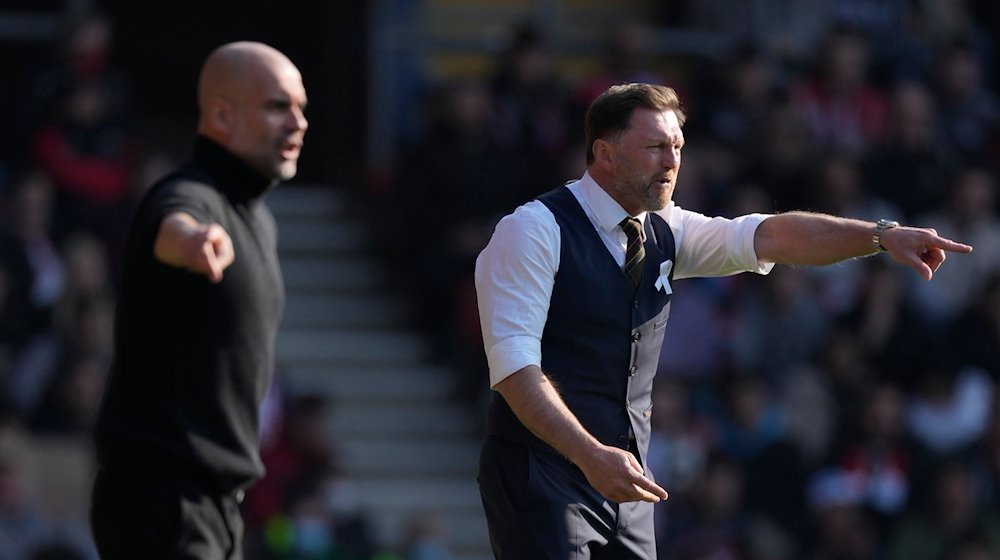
193,359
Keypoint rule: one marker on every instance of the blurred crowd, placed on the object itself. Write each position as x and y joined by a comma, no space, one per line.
847,412
68,172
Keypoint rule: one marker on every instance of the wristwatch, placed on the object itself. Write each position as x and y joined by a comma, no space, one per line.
880,227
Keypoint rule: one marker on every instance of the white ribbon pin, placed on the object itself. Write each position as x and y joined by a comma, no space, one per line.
663,282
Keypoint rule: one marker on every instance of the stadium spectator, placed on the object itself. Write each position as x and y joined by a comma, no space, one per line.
947,520
969,214
974,337
80,133
840,528
532,106
970,112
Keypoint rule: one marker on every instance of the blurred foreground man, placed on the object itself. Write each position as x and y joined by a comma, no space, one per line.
198,313
574,290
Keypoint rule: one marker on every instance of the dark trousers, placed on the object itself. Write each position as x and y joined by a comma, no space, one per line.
163,519
540,506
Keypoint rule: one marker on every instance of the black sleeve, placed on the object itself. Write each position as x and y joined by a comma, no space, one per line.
174,194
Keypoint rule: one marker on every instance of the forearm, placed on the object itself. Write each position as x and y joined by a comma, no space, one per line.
613,472
819,239
812,239
538,406
183,242
173,245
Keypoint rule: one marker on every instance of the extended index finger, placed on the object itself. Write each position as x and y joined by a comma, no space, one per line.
649,490
212,261
643,483
953,246
646,496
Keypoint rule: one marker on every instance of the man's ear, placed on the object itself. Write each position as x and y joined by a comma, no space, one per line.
605,154
221,115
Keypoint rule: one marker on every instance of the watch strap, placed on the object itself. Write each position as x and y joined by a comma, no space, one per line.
880,227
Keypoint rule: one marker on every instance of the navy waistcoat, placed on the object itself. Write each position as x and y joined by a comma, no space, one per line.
602,338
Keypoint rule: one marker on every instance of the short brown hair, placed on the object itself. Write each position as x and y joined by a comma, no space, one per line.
611,112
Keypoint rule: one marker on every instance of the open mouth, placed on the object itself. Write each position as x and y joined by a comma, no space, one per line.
290,150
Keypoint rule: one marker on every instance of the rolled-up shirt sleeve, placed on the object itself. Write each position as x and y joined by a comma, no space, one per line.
514,278
715,246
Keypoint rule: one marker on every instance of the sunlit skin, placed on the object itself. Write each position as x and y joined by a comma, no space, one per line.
639,166
253,103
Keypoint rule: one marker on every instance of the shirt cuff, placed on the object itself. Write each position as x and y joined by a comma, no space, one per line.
748,229
511,355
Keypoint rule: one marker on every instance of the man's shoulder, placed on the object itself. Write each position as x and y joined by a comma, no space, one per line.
186,180
677,217
183,184
531,214
529,224
184,190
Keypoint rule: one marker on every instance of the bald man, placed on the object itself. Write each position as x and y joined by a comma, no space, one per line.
198,313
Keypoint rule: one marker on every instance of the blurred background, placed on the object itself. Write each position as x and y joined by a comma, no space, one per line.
839,413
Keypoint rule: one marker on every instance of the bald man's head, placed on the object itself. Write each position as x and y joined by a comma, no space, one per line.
251,101
231,67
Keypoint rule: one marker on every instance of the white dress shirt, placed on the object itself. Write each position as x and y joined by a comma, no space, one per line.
516,271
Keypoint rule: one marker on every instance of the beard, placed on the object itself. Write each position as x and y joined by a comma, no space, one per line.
274,169
645,191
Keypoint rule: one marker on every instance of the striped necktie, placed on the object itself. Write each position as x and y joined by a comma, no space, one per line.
635,254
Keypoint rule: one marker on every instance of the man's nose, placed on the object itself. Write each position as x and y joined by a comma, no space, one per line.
670,159
297,120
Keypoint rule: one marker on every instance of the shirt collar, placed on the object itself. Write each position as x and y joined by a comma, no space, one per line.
232,175
606,210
